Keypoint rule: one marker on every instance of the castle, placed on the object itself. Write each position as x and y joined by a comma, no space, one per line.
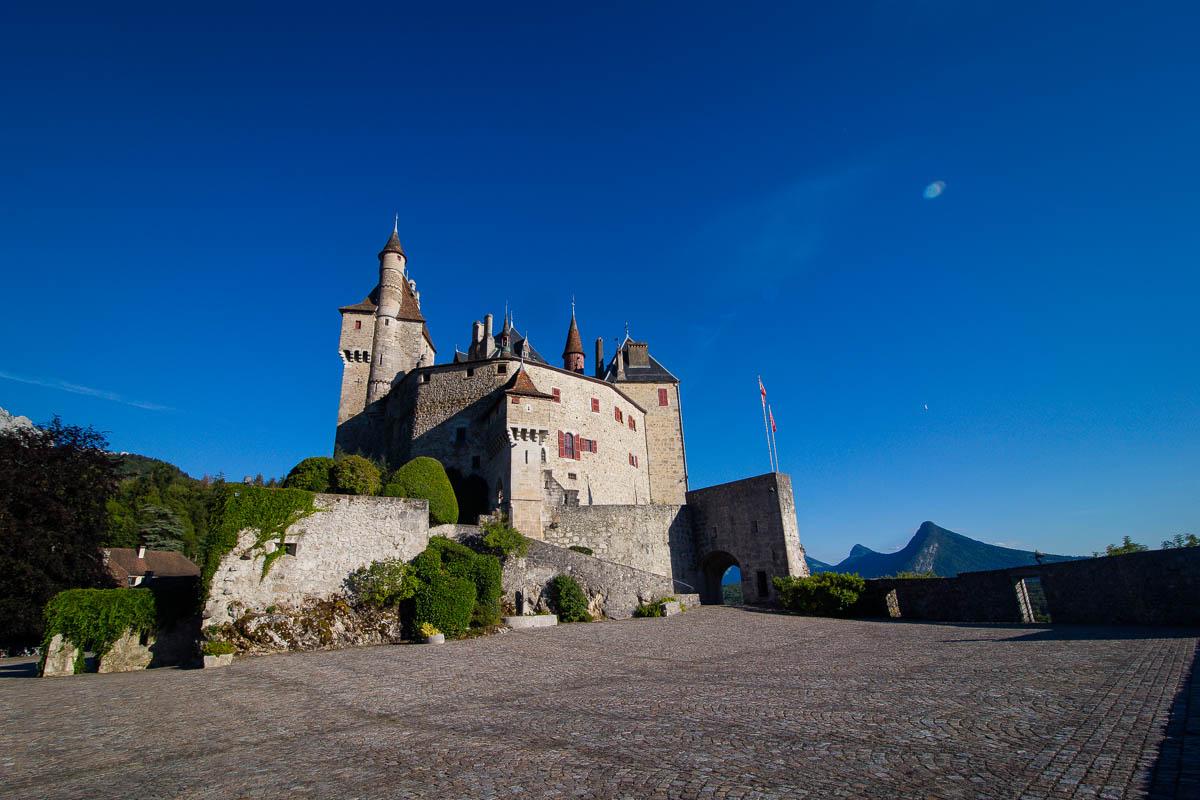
551,446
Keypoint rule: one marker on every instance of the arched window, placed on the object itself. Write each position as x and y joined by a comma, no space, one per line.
569,445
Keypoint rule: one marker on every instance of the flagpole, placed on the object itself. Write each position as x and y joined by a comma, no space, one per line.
774,443
766,429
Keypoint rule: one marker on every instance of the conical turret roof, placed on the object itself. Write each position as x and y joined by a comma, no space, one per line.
574,343
393,245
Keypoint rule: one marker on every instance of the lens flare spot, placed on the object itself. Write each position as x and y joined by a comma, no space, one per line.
934,190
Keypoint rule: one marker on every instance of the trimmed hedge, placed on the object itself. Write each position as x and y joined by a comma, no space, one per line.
567,599
94,619
481,569
424,478
382,584
826,594
445,602
354,475
311,474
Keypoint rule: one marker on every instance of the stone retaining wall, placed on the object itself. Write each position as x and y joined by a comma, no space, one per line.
1158,587
636,536
613,590
347,532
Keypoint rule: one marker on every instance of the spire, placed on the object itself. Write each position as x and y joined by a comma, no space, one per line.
573,356
393,243
574,342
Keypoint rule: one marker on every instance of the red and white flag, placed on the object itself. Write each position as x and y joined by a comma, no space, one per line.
771,414
763,391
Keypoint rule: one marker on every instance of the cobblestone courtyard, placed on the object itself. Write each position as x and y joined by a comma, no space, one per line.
717,703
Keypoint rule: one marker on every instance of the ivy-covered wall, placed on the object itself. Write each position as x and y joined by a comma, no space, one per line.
330,539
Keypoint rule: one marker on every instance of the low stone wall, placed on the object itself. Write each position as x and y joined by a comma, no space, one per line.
1158,587
636,536
613,590
346,533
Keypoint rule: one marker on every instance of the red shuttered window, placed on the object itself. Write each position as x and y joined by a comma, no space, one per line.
617,415
562,445
632,424
662,397
557,395
596,404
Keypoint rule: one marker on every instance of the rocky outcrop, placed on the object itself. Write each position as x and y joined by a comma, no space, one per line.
60,658
8,421
328,624
127,654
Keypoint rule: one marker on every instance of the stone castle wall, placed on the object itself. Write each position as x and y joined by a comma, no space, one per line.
664,441
636,536
345,533
613,590
354,348
1158,587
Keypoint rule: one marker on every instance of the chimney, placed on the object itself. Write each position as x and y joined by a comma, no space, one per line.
141,551
487,337
639,356
599,357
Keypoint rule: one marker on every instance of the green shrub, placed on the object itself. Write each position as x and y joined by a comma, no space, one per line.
826,594
219,648
567,600
445,602
423,478
93,619
481,569
354,475
311,474
578,548
653,609
383,584
502,540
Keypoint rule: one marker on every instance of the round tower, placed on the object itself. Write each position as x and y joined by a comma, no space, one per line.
384,353
573,357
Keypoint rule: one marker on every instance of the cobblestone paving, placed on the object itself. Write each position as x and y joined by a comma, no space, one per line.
717,703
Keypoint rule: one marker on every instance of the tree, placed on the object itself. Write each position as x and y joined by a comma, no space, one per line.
1181,540
1126,546
160,529
54,484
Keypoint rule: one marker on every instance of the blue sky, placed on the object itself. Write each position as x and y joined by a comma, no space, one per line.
189,196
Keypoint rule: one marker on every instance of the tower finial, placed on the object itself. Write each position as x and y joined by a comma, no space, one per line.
396,225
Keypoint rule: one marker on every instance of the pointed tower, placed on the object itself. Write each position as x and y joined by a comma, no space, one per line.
573,357
383,338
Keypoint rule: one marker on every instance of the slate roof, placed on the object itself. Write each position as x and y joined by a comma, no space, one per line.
654,373
409,310
393,245
123,563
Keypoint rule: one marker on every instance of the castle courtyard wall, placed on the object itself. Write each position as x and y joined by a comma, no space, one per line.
636,536
346,533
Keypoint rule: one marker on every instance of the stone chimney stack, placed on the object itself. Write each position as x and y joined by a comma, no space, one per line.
599,356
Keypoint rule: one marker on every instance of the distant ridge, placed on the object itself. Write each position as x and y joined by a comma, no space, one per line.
816,565
940,551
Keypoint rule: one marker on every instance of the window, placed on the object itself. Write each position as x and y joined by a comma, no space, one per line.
502,369
632,423
571,476
516,400
470,372
557,395
358,324
134,580
460,435
425,378
763,591
289,548
596,405
662,397
570,446
633,460
617,415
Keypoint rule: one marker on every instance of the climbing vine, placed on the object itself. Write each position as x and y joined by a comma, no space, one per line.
94,619
268,512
